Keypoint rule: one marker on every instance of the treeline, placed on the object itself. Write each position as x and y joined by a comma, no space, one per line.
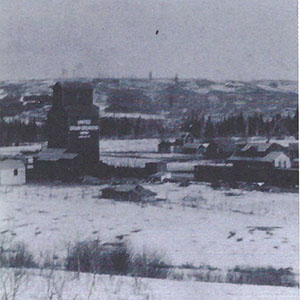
239,125
14,133
120,127
17,132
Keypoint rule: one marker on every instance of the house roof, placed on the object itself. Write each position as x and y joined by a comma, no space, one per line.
260,147
225,145
54,154
125,188
272,155
74,85
11,164
268,158
192,145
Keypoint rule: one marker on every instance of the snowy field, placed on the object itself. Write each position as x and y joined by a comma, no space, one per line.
195,225
40,286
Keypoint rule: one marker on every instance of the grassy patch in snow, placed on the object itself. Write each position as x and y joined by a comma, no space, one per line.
116,259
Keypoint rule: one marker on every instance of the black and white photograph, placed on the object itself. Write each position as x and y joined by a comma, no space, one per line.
149,150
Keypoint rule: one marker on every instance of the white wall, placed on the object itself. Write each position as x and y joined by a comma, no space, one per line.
7,177
282,161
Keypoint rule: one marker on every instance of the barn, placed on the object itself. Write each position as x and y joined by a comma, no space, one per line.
12,172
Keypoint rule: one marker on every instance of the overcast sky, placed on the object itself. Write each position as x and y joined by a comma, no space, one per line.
214,39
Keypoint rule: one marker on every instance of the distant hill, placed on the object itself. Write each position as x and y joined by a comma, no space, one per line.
161,97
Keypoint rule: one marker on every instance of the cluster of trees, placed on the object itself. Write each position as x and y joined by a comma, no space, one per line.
17,132
236,125
130,127
239,125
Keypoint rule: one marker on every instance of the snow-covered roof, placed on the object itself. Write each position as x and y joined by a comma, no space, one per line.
260,147
268,158
54,154
272,155
11,164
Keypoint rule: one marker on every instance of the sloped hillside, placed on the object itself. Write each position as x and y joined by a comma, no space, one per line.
159,97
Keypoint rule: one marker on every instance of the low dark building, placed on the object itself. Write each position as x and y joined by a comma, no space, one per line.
154,167
293,150
221,149
271,160
56,164
194,148
164,147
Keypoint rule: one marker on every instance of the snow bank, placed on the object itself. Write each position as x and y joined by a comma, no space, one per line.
194,225
67,285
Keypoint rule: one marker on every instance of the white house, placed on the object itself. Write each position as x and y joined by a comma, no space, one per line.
275,159
12,172
278,159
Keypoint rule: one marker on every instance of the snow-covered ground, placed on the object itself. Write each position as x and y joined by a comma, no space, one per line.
40,286
196,224
132,116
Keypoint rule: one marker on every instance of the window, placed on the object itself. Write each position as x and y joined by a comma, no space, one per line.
15,172
284,164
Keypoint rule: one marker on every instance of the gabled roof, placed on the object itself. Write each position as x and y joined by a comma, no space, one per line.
268,158
225,145
260,147
11,164
125,188
272,156
74,85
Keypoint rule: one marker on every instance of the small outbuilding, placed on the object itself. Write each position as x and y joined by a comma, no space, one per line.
221,149
56,163
195,148
164,147
12,172
128,192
